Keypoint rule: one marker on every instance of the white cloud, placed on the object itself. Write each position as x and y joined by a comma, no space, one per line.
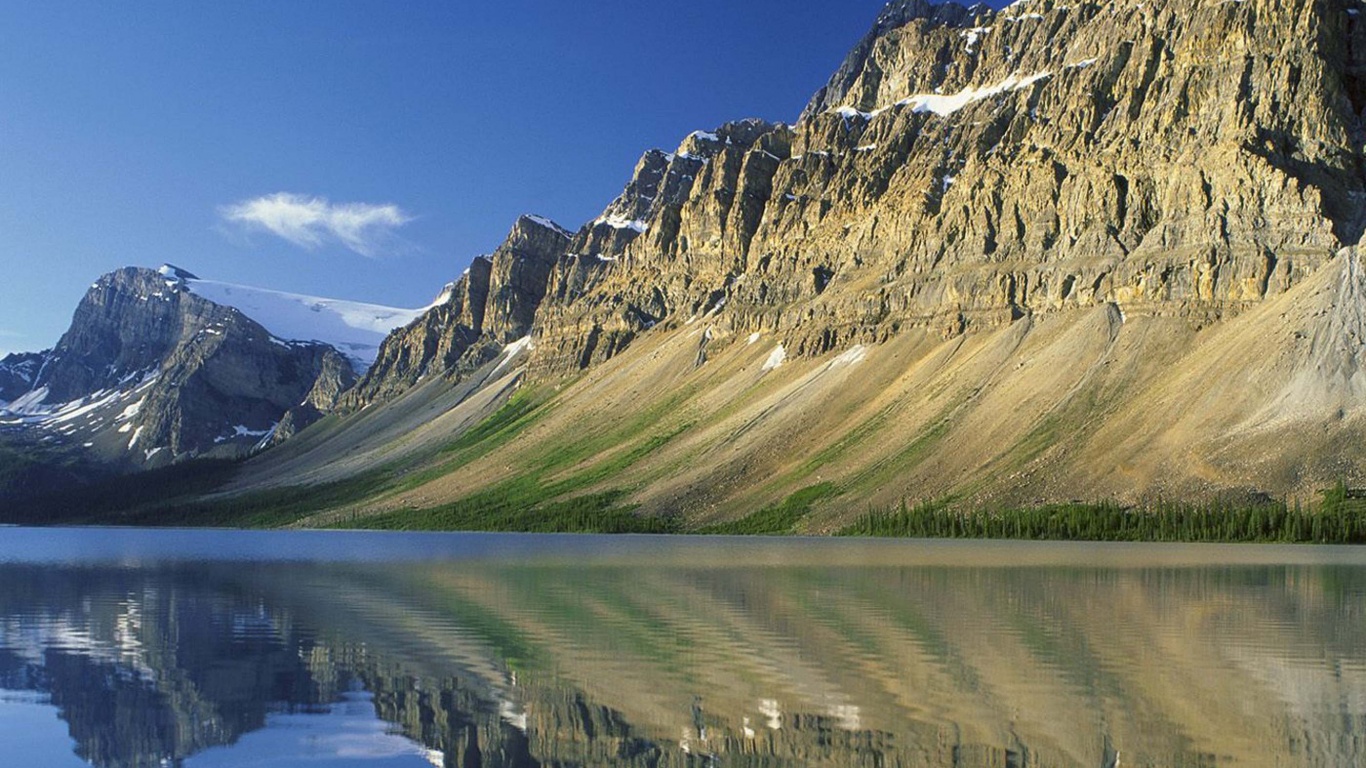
310,222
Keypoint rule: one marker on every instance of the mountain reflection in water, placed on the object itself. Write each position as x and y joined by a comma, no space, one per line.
680,657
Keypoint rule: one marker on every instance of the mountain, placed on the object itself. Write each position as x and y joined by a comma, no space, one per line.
354,328
491,305
16,373
159,365
1053,252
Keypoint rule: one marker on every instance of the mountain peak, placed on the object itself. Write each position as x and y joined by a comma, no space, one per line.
172,271
531,219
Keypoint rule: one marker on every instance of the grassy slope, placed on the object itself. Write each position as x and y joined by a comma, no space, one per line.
1082,404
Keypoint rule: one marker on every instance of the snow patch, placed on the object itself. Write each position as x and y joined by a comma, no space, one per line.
447,292
775,358
83,407
510,351
849,113
548,224
242,430
355,328
945,105
754,338
29,401
617,221
974,35
852,356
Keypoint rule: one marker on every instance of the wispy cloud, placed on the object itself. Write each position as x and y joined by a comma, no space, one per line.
310,222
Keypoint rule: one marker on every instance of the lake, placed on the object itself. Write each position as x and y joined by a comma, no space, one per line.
211,648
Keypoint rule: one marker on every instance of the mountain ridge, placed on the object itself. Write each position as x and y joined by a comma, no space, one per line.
1047,253
152,371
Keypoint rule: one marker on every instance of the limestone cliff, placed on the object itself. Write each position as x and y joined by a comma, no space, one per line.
491,305
967,167
1050,252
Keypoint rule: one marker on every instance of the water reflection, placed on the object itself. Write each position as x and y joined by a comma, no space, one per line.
681,660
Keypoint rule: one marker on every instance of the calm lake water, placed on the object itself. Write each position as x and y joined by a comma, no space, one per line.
210,648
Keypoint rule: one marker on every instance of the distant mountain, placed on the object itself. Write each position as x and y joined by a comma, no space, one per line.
17,372
160,365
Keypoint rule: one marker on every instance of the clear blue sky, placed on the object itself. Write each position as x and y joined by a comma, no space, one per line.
128,131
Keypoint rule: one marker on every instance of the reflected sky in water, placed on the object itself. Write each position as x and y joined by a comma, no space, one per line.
202,648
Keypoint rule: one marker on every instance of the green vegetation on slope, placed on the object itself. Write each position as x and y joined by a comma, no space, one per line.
520,505
581,486
1339,519
778,519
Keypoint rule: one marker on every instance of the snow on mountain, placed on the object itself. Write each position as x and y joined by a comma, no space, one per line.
355,328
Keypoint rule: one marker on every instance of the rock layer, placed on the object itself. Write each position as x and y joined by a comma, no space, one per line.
966,167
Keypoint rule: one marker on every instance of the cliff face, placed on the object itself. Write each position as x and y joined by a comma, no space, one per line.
149,373
490,306
965,168
1044,253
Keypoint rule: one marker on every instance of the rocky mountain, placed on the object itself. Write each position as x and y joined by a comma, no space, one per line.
1051,252
967,167
492,305
17,371
152,371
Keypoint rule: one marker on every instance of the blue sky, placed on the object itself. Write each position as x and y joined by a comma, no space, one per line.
176,131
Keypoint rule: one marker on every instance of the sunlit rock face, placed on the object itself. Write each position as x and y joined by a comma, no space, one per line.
1040,254
491,306
966,167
